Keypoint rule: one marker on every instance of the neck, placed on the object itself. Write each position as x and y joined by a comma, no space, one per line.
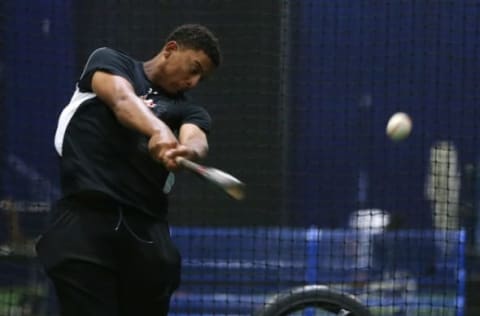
149,69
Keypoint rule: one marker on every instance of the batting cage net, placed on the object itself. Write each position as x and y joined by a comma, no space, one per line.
300,107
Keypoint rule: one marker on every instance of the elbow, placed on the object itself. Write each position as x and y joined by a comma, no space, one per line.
203,152
199,152
120,108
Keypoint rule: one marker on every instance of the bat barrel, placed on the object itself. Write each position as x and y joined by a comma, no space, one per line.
231,185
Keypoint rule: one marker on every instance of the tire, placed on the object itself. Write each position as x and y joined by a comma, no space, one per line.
318,296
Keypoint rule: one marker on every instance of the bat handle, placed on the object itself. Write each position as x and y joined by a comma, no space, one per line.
188,164
180,160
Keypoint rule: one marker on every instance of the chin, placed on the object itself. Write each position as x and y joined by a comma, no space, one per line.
173,92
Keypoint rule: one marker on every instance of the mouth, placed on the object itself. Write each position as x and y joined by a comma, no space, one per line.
174,89
183,89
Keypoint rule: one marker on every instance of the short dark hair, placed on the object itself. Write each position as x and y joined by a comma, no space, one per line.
197,37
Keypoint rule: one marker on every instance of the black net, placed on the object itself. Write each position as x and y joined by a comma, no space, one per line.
300,108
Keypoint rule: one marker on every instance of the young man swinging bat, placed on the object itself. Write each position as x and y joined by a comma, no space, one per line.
107,248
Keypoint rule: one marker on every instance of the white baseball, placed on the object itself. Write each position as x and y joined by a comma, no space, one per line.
399,126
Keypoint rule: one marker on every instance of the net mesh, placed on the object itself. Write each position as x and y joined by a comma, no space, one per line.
300,107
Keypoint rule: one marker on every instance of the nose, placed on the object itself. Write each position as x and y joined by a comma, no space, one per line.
193,81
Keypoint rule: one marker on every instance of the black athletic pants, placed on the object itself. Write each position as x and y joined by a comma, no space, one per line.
106,259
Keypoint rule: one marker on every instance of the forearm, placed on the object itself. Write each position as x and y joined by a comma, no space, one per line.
132,113
130,110
195,140
199,149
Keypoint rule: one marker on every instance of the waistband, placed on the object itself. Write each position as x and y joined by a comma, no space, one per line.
97,201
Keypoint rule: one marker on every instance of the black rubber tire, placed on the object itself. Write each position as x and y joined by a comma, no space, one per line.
318,296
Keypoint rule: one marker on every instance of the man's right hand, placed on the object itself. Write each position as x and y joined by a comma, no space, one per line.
158,145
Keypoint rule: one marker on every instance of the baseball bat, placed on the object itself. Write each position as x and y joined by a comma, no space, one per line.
231,185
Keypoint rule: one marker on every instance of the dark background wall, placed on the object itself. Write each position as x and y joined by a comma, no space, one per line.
3,131
357,63
37,72
299,106
242,96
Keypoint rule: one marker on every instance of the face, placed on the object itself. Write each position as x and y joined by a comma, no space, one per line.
183,68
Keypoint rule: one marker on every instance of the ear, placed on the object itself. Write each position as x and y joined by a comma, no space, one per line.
170,47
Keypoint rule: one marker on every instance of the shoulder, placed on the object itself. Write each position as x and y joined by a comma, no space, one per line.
108,52
197,114
108,60
189,105
111,60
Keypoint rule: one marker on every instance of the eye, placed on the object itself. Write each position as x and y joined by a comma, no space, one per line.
194,69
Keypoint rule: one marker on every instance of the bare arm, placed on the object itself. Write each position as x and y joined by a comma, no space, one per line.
131,111
193,144
195,139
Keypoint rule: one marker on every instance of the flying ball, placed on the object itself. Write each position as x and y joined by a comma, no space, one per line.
399,126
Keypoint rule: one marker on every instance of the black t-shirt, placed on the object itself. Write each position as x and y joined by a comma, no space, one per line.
99,154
